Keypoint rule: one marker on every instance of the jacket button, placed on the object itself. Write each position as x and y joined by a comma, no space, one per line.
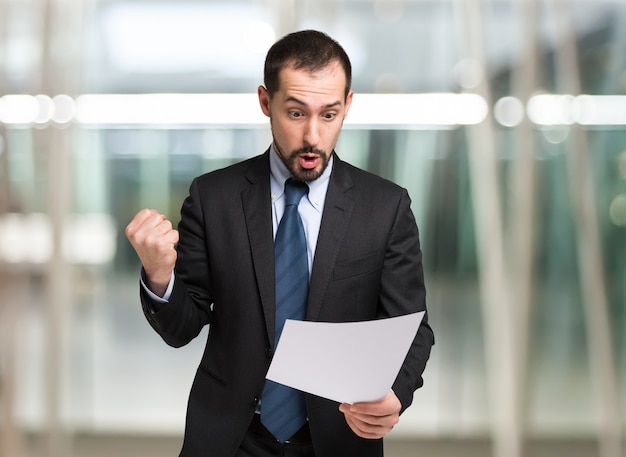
268,353
255,401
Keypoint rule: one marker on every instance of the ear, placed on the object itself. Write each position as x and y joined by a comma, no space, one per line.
264,100
348,102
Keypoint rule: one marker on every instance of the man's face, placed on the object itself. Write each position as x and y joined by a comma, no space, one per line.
306,115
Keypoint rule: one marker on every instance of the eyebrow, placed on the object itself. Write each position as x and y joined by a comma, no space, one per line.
300,102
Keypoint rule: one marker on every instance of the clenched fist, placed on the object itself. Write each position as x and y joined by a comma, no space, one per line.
153,238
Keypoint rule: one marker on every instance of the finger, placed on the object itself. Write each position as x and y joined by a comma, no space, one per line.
172,237
164,242
157,226
149,229
156,221
386,422
389,405
365,430
144,217
366,425
370,411
162,238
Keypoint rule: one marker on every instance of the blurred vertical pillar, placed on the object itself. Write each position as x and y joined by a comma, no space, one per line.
60,57
592,276
11,442
522,217
495,294
285,11
12,283
58,294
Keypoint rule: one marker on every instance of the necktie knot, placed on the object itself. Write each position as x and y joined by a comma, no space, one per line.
294,191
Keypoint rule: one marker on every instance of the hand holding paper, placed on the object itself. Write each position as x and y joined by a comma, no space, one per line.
347,362
373,420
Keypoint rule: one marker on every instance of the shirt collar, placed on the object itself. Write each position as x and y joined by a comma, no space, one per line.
279,173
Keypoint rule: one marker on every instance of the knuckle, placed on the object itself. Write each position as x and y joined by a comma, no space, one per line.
154,241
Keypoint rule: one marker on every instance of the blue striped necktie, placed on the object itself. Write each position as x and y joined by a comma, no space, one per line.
283,410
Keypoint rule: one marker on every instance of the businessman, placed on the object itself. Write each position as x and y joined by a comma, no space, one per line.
292,233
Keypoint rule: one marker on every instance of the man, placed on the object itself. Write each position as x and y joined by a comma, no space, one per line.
361,258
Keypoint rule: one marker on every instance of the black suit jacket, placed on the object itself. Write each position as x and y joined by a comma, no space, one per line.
367,265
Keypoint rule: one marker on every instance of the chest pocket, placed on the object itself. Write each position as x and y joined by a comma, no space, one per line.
357,267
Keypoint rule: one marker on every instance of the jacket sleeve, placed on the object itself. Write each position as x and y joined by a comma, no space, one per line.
402,292
189,307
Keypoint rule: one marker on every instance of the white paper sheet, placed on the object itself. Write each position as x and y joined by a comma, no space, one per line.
346,362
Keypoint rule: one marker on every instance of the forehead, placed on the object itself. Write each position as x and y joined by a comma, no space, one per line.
329,80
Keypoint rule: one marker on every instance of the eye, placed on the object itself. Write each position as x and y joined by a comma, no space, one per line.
329,116
295,114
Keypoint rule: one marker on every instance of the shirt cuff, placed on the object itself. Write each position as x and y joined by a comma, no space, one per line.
152,295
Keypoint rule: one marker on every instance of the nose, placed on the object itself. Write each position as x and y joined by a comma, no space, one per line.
312,132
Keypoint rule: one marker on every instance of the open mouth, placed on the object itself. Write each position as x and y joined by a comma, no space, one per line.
308,161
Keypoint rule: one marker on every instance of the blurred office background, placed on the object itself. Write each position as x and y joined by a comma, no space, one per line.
505,120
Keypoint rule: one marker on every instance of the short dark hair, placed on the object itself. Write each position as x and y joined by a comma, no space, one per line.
307,49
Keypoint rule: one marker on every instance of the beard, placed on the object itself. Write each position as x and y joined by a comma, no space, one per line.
291,162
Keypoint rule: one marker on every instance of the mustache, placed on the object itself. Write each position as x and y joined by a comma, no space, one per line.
307,150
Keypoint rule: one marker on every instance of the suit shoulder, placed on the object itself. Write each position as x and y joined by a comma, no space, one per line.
366,180
227,175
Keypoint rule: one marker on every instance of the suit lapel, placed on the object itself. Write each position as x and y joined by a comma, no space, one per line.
335,220
258,214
